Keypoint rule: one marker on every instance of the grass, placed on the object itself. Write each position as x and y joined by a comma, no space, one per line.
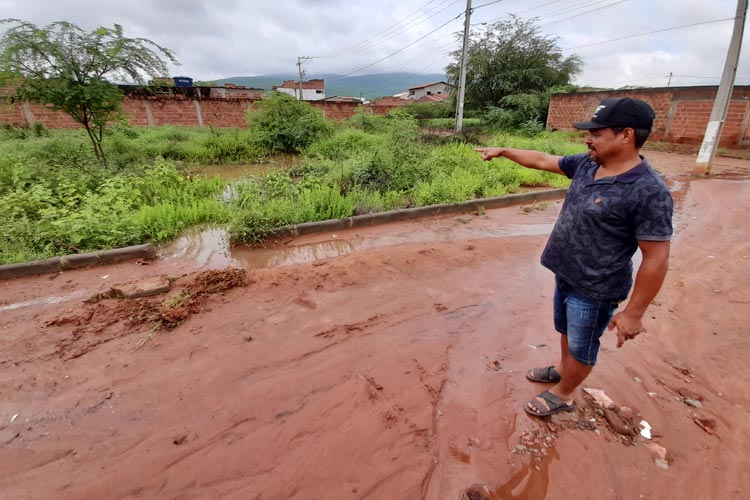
56,199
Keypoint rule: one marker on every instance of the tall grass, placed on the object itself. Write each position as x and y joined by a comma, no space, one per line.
55,198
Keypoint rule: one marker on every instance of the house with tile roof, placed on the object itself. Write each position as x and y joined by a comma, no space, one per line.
430,89
312,90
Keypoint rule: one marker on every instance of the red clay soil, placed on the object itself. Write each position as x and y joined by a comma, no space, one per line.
391,373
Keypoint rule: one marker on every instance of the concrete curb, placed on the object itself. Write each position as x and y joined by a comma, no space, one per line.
77,261
416,213
148,251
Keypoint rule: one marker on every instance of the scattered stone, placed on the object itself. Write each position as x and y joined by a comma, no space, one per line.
519,448
652,394
637,380
600,397
619,424
662,464
693,402
180,440
247,338
144,288
657,450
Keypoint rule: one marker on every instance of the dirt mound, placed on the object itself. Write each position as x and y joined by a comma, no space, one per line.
107,316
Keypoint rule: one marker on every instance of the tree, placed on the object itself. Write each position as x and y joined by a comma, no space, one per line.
511,57
63,66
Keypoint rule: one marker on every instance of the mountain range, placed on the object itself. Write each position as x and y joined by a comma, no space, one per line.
367,86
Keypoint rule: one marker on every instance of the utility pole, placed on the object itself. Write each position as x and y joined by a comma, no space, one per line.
723,96
462,77
301,73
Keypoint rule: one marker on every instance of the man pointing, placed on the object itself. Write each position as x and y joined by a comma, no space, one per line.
615,205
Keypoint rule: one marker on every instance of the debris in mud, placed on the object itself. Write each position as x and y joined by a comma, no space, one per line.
662,464
645,429
707,424
688,394
494,365
93,324
681,369
600,397
659,452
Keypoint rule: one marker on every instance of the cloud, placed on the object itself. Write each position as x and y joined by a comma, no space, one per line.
232,37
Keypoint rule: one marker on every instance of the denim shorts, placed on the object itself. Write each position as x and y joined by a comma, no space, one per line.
582,319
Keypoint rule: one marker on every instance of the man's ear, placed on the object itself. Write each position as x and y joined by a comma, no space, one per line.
628,136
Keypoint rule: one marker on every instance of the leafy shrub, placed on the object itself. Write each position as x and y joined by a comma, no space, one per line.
284,124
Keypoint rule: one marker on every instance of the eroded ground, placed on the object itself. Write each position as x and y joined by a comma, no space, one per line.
392,372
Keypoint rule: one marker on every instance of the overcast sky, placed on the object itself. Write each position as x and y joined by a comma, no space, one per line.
224,38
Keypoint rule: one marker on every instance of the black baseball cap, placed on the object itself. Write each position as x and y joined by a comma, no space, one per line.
620,112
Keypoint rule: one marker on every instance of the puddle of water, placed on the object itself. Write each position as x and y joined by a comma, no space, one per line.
45,301
206,246
234,172
531,482
210,246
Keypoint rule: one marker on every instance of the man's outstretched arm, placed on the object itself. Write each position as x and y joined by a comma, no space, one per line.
524,157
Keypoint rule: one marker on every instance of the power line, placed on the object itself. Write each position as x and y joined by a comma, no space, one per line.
648,33
371,42
381,32
583,13
399,50
566,10
485,5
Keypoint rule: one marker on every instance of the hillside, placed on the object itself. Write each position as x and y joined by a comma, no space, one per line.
368,86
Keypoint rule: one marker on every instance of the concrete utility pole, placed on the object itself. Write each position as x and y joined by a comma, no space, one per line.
301,73
723,96
462,77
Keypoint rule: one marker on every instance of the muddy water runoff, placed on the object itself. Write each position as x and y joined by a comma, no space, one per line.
209,246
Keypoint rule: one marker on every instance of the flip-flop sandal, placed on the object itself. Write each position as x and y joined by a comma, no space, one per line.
554,405
548,375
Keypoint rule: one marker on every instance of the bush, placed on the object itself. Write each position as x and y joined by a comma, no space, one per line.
284,124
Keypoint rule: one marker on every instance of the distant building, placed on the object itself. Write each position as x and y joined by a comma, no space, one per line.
430,89
341,98
312,90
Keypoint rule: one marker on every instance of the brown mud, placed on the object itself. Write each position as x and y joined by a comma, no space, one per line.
394,371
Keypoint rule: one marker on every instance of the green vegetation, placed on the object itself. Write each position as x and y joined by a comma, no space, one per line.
56,198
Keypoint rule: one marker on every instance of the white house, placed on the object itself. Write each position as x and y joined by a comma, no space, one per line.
312,90
436,88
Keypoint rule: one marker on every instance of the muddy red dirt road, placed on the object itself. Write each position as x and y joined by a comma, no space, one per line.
393,372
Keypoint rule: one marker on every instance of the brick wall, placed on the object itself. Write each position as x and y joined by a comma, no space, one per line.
682,113
165,110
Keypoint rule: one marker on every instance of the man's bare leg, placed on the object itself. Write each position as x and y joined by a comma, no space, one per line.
572,374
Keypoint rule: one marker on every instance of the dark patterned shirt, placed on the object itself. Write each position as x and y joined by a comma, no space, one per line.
601,221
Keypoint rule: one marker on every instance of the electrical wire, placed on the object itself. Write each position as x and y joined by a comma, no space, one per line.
373,41
649,33
583,13
399,50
